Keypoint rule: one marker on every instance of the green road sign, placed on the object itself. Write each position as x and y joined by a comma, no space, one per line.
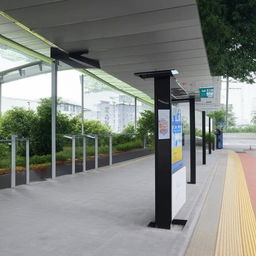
207,92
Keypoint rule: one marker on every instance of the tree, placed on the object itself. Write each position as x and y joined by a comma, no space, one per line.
229,29
253,121
95,127
128,134
219,117
17,121
146,124
41,135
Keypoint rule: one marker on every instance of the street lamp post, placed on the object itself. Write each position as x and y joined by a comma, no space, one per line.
227,91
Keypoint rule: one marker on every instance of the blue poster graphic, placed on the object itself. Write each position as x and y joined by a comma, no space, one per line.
177,162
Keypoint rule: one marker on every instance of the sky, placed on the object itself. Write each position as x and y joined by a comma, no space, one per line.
69,89
242,96
36,87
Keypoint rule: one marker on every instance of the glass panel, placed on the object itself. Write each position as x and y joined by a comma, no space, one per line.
120,84
127,146
63,155
5,165
141,107
68,119
103,151
27,113
20,163
90,151
107,105
79,154
10,58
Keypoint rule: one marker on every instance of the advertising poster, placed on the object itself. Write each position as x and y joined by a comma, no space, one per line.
163,124
177,162
178,170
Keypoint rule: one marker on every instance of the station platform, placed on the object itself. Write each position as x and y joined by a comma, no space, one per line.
105,212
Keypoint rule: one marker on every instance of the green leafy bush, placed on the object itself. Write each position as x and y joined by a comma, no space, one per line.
36,125
129,145
128,134
146,126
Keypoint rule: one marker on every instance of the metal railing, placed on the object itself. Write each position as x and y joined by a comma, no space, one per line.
73,137
13,141
96,148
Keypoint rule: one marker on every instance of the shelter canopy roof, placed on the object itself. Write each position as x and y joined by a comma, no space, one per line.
125,36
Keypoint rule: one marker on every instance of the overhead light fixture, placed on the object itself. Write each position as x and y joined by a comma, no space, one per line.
175,71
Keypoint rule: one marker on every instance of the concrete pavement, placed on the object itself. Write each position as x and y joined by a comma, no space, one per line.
100,212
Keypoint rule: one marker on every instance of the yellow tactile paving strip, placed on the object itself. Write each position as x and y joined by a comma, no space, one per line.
237,226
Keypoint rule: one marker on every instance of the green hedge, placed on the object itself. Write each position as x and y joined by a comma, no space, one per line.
65,155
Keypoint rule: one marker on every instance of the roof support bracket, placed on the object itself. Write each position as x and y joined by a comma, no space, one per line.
74,59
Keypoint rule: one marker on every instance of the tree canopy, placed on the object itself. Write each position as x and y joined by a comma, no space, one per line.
219,117
146,125
229,29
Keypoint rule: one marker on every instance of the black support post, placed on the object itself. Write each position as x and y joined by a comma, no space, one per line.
213,131
203,138
163,147
192,140
209,138
163,177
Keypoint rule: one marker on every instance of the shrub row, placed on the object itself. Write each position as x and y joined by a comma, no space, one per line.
65,155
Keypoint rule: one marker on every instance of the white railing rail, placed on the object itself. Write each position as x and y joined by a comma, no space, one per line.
13,141
73,137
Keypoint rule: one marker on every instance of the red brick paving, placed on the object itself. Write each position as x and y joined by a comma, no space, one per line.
249,164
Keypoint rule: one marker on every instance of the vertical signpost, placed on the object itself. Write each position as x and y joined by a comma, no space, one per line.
163,177
192,120
203,138
169,181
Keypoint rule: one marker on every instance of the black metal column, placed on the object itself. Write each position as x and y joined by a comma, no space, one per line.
163,177
209,137
203,138
192,140
213,131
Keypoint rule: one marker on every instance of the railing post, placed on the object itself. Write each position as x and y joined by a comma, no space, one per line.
13,161
27,162
84,153
96,151
73,154
144,141
54,115
110,150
